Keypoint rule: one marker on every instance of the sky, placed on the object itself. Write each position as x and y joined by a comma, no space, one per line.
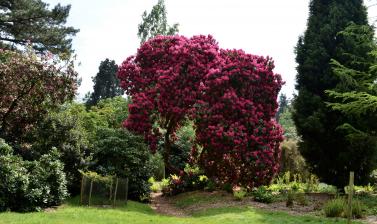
108,29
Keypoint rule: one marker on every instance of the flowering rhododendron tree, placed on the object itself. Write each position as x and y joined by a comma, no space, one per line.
164,80
30,86
235,126
230,95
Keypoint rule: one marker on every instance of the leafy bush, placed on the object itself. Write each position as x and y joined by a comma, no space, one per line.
301,199
338,208
190,179
326,188
239,194
290,198
261,194
63,130
358,209
291,159
30,185
158,166
118,152
227,187
334,207
211,186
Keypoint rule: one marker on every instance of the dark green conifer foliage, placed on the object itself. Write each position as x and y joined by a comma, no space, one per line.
106,83
324,145
24,21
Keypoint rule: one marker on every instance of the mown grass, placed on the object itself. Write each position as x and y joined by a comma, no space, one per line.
196,198
138,213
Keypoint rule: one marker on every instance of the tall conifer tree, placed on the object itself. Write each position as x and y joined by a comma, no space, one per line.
324,145
106,84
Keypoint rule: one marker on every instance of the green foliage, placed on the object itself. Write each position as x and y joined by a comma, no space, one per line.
64,131
338,208
326,148
358,209
292,160
106,83
158,166
120,153
211,186
22,21
190,179
112,111
181,148
30,185
262,194
155,23
290,198
334,207
283,104
227,187
239,194
301,199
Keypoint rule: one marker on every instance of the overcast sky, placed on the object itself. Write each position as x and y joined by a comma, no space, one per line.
108,29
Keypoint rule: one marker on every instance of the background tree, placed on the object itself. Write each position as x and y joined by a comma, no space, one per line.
155,23
283,104
30,86
355,96
24,21
106,84
324,147
164,80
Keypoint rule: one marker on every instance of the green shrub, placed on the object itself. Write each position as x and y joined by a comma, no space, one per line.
301,199
211,186
261,194
325,188
227,187
158,166
334,207
63,130
120,153
181,148
290,198
190,179
358,209
292,160
30,185
239,194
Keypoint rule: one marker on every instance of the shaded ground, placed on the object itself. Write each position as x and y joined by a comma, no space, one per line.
190,203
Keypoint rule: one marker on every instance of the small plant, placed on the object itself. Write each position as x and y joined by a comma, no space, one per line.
227,187
155,187
334,207
261,194
290,198
358,209
301,199
239,194
211,186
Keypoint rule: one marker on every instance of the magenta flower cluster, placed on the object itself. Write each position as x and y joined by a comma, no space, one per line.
229,94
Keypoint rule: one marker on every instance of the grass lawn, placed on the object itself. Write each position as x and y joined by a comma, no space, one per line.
141,213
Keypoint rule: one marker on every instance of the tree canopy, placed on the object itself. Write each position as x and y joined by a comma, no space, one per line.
31,21
325,146
230,96
155,23
106,83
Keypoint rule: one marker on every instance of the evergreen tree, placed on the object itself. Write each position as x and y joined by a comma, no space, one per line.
155,23
24,21
106,83
283,104
324,145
